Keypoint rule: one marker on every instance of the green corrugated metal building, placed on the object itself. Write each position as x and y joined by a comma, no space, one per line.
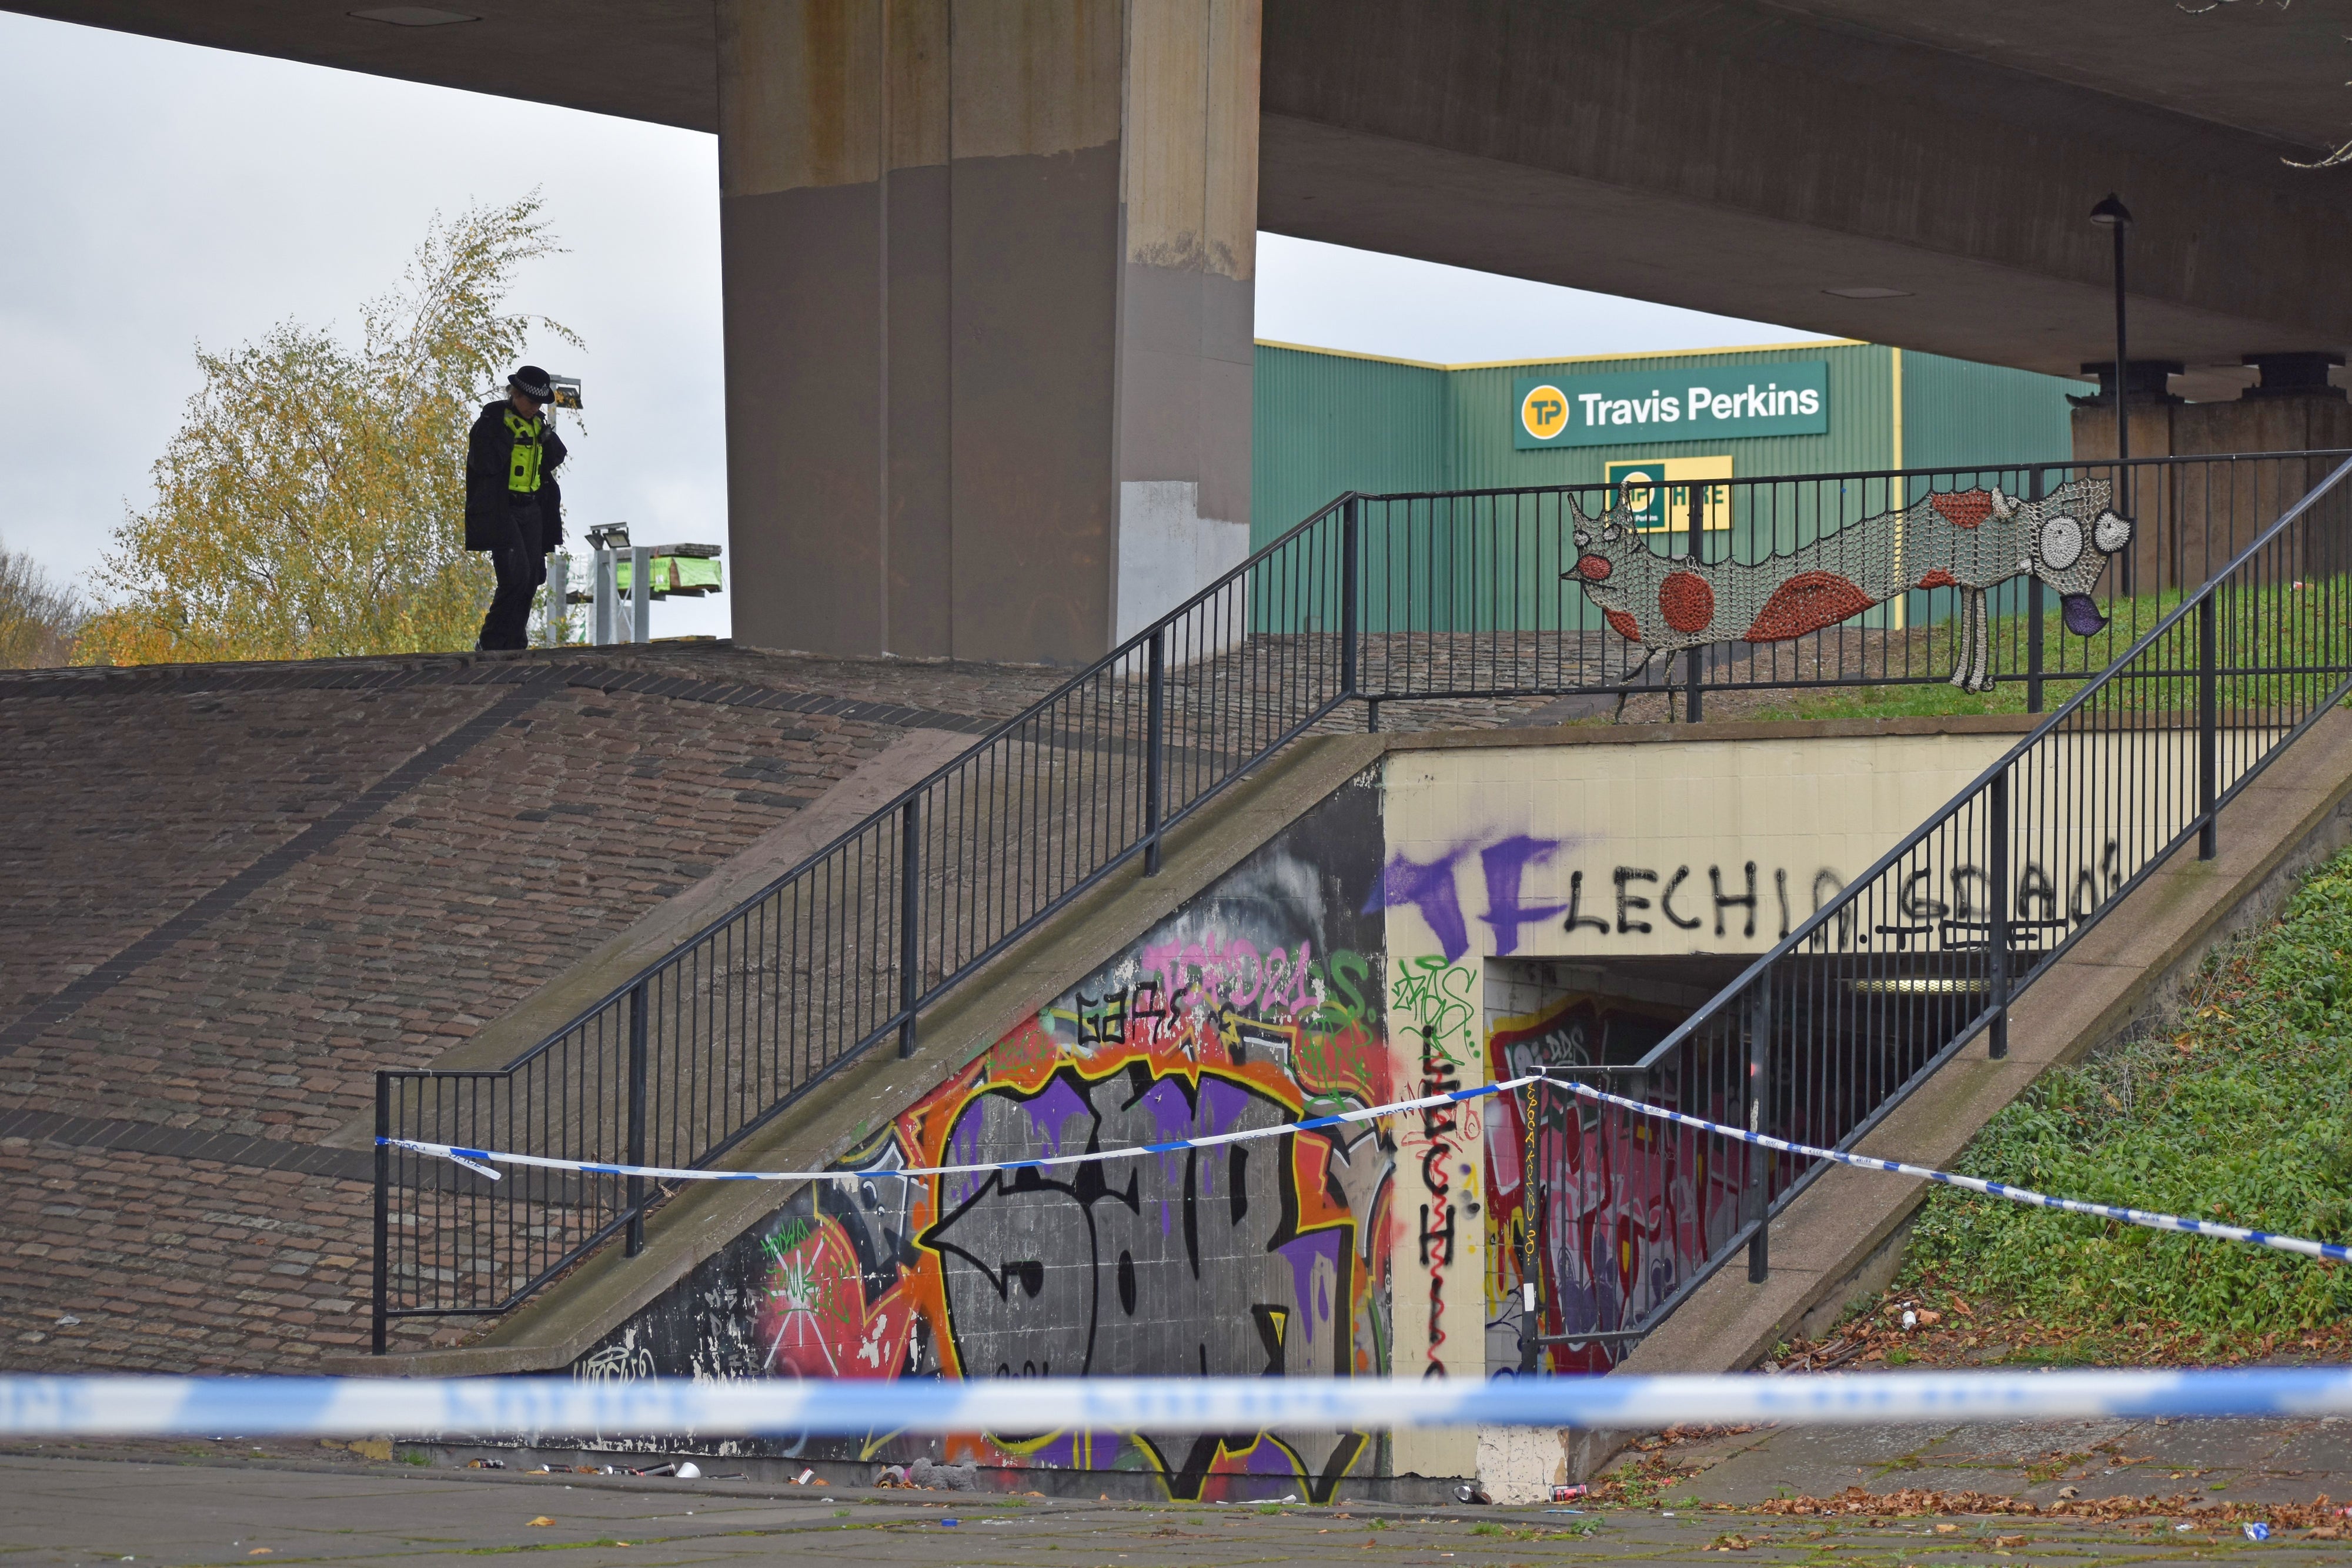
1328,422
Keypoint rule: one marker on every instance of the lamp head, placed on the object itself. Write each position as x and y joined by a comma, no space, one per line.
2111,213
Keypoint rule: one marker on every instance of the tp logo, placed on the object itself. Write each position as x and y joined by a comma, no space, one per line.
1642,493
1543,412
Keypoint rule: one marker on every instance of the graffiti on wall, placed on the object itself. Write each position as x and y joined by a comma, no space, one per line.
1618,902
1260,1002
1628,1207
1743,906
1433,1014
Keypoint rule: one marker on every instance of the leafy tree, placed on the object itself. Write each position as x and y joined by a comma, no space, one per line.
312,503
37,618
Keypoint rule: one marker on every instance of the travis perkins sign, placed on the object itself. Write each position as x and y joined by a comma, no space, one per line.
1707,402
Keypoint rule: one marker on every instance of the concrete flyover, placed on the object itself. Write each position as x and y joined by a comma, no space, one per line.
989,266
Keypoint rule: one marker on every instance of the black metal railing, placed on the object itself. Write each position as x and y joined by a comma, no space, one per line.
1373,598
1468,594
1822,1037
844,952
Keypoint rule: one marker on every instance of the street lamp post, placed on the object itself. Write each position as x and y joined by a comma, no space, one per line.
2115,218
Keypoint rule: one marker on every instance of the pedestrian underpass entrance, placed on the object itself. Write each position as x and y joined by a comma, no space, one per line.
1419,925
1622,1213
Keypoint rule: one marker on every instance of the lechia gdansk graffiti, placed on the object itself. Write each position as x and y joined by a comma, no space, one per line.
1258,1003
1711,908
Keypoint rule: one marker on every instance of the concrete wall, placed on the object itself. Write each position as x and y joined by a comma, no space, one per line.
989,310
1626,852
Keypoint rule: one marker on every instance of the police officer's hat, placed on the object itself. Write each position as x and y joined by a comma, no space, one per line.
532,382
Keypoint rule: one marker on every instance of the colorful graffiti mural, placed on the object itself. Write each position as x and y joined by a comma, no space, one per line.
1627,1208
1259,1002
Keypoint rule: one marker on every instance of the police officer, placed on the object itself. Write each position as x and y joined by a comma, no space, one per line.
513,508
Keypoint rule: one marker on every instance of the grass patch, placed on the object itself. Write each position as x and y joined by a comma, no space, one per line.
2240,1117
2258,627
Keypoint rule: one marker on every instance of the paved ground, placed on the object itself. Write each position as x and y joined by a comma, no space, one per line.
228,1503
2195,1468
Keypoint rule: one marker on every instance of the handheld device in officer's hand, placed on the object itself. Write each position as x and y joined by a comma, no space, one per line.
567,391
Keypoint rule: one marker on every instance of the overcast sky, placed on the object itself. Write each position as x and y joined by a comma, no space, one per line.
159,195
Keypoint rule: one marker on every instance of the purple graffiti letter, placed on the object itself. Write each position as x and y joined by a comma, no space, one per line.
1506,863
1430,889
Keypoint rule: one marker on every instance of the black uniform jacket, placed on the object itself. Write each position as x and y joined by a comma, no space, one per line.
490,452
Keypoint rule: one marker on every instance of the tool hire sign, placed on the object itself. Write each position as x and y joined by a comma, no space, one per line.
1707,402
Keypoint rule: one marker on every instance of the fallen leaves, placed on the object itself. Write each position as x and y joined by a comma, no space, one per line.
1916,1501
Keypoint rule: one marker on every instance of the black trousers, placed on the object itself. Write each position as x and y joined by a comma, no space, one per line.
521,565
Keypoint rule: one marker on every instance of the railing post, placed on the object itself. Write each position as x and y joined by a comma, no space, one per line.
1997,917
382,1209
910,920
1760,1161
1155,770
1692,665
1351,623
636,1116
2209,836
2034,491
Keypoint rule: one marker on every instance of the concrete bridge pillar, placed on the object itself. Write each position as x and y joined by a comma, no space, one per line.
988,284
2197,520
2292,407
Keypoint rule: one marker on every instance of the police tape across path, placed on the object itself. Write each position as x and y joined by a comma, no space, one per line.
484,1161
2330,1250
528,1408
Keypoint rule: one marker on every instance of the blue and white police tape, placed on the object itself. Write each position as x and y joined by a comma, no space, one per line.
482,1160
2331,1250
565,1407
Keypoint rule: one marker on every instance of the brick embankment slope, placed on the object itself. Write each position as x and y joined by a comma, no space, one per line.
237,892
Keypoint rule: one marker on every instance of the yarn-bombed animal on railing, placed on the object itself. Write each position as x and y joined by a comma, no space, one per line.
1968,539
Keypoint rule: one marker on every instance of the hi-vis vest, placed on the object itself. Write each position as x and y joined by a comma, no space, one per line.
522,466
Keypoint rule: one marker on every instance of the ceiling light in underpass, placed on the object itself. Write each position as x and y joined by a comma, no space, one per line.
413,15
1869,291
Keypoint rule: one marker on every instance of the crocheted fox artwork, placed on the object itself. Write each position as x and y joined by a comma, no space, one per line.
1968,539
